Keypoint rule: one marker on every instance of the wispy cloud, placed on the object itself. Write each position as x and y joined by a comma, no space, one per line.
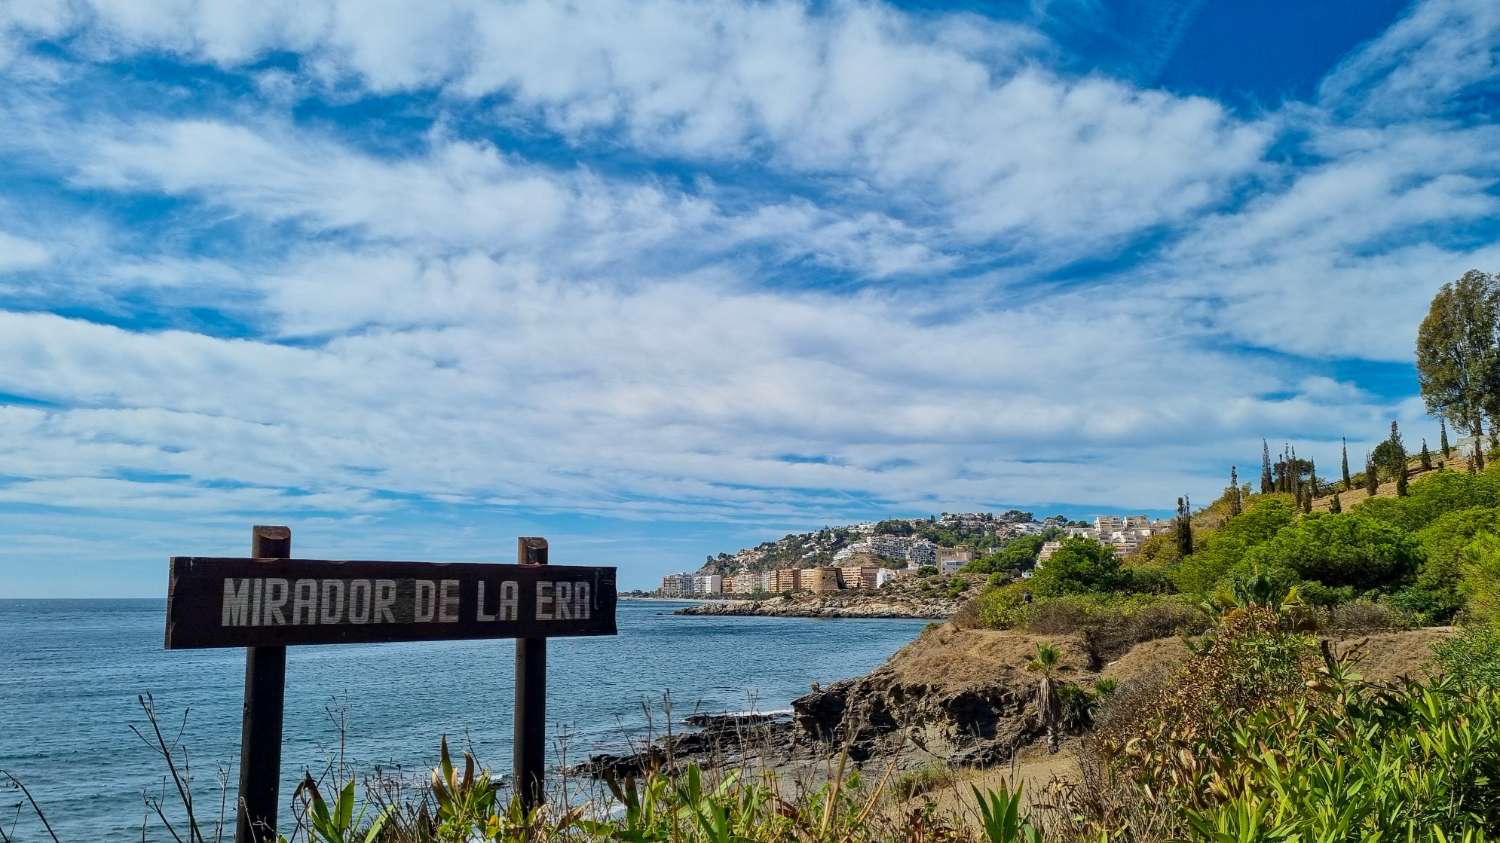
618,261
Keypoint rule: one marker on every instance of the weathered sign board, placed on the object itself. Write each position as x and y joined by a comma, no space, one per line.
219,602
269,601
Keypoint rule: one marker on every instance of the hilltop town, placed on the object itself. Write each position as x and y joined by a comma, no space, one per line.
870,555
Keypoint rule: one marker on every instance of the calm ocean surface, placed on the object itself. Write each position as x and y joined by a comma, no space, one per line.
70,671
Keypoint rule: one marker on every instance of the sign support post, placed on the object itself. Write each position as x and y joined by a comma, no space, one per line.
270,600
260,730
530,744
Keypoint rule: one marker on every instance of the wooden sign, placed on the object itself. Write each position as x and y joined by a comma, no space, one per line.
233,602
269,601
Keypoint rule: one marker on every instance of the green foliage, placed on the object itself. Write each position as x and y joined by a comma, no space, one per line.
1003,821
1341,550
1434,495
1435,592
1458,360
1017,555
1350,764
1227,546
1472,657
338,823
1262,737
1480,582
1078,567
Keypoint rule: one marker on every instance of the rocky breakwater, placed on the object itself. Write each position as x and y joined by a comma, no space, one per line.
874,605
960,696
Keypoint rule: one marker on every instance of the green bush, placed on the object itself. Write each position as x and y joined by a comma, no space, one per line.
1226,547
1342,550
1435,592
1017,555
1263,737
1472,657
1480,583
1080,566
1433,496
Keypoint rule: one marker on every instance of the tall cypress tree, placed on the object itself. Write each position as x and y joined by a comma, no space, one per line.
1334,505
1426,456
1348,484
1234,491
1312,478
1372,481
1443,438
1184,527
1265,468
1305,498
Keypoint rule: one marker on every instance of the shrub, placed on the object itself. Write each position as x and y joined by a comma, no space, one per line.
1366,616
1434,495
1472,657
1481,578
1227,546
1262,737
1345,549
1078,567
1435,593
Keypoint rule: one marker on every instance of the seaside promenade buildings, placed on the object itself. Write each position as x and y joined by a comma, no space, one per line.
816,580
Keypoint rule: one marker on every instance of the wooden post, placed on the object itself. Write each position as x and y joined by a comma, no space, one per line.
530,745
260,732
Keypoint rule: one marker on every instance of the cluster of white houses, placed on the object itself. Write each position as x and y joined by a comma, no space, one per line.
1125,533
916,552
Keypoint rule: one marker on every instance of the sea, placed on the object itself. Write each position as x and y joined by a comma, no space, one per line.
73,674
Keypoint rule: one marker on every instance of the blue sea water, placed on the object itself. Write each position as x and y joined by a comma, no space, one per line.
71,671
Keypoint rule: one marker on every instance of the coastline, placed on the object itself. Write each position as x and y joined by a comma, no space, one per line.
809,606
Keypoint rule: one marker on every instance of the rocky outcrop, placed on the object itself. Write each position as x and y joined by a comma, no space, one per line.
958,695
832,606
893,710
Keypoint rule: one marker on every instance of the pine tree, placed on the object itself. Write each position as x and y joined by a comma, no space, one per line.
1348,484
1234,491
1334,505
1184,527
1296,471
1426,456
1443,439
1265,468
1372,481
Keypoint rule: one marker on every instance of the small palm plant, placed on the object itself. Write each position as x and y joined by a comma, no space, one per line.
1049,711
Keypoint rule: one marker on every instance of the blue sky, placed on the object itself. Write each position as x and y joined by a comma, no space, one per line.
658,279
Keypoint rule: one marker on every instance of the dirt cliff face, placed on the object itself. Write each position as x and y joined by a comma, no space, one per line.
963,696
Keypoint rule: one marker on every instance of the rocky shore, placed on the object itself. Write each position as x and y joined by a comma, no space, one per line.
833,606
960,697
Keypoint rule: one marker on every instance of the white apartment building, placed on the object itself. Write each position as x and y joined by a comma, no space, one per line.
708,584
851,550
747,582
677,585
951,559
1048,548
1108,523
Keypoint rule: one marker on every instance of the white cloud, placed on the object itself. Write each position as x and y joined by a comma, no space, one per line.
20,253
815,275
1422,63
951,112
